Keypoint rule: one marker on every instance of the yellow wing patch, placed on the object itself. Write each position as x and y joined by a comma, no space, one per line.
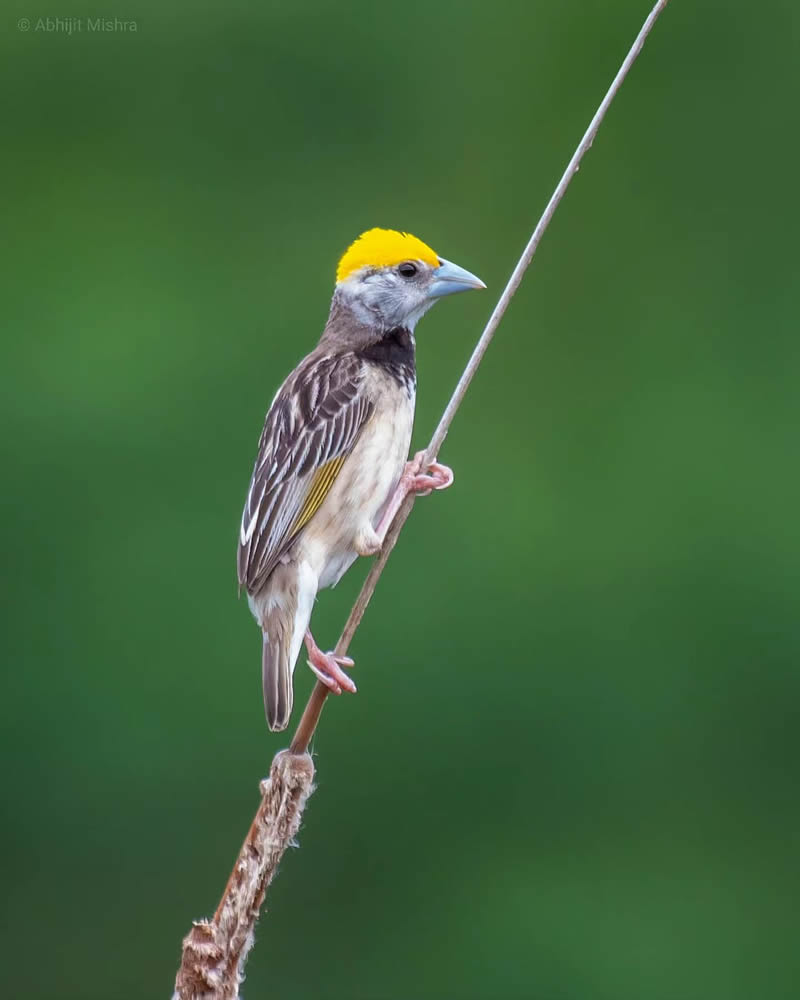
383,248
323,480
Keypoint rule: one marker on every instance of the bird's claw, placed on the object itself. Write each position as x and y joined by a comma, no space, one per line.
328,667
437,476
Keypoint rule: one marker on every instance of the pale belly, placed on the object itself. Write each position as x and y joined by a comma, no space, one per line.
359,495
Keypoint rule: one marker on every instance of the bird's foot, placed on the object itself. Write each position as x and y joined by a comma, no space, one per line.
328,667
413,480
437,476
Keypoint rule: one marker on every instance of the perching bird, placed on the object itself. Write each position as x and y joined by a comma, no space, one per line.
331,468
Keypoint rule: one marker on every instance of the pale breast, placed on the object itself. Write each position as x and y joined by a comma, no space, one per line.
364,485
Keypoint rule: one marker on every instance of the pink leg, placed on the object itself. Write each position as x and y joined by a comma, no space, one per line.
438,477
328,667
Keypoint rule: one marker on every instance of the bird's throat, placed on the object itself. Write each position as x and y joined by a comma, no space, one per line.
394,352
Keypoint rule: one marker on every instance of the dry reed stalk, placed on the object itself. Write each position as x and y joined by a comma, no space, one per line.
214,952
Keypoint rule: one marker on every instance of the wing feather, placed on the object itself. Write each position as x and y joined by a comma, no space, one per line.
311,428
323,480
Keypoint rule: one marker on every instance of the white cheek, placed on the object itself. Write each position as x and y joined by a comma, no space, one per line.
416,315
386,299
398,302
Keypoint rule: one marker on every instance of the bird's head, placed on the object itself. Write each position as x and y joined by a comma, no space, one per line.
390,279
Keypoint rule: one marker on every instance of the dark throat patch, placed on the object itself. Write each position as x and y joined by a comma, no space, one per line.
394,353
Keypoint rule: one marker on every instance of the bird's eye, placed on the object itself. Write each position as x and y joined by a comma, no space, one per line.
408,270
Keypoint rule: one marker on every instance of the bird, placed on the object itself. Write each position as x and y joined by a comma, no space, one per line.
331,469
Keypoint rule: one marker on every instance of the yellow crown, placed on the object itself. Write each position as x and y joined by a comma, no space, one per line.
383,248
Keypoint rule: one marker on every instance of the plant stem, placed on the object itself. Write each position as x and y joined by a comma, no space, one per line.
215,951
310,717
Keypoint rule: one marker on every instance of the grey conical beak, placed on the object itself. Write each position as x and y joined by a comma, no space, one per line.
449,278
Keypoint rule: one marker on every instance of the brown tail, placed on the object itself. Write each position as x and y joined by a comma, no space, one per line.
276,675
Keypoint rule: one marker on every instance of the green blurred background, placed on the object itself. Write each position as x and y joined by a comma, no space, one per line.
571,768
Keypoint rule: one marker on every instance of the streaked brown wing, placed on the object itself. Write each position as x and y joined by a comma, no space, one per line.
310,429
